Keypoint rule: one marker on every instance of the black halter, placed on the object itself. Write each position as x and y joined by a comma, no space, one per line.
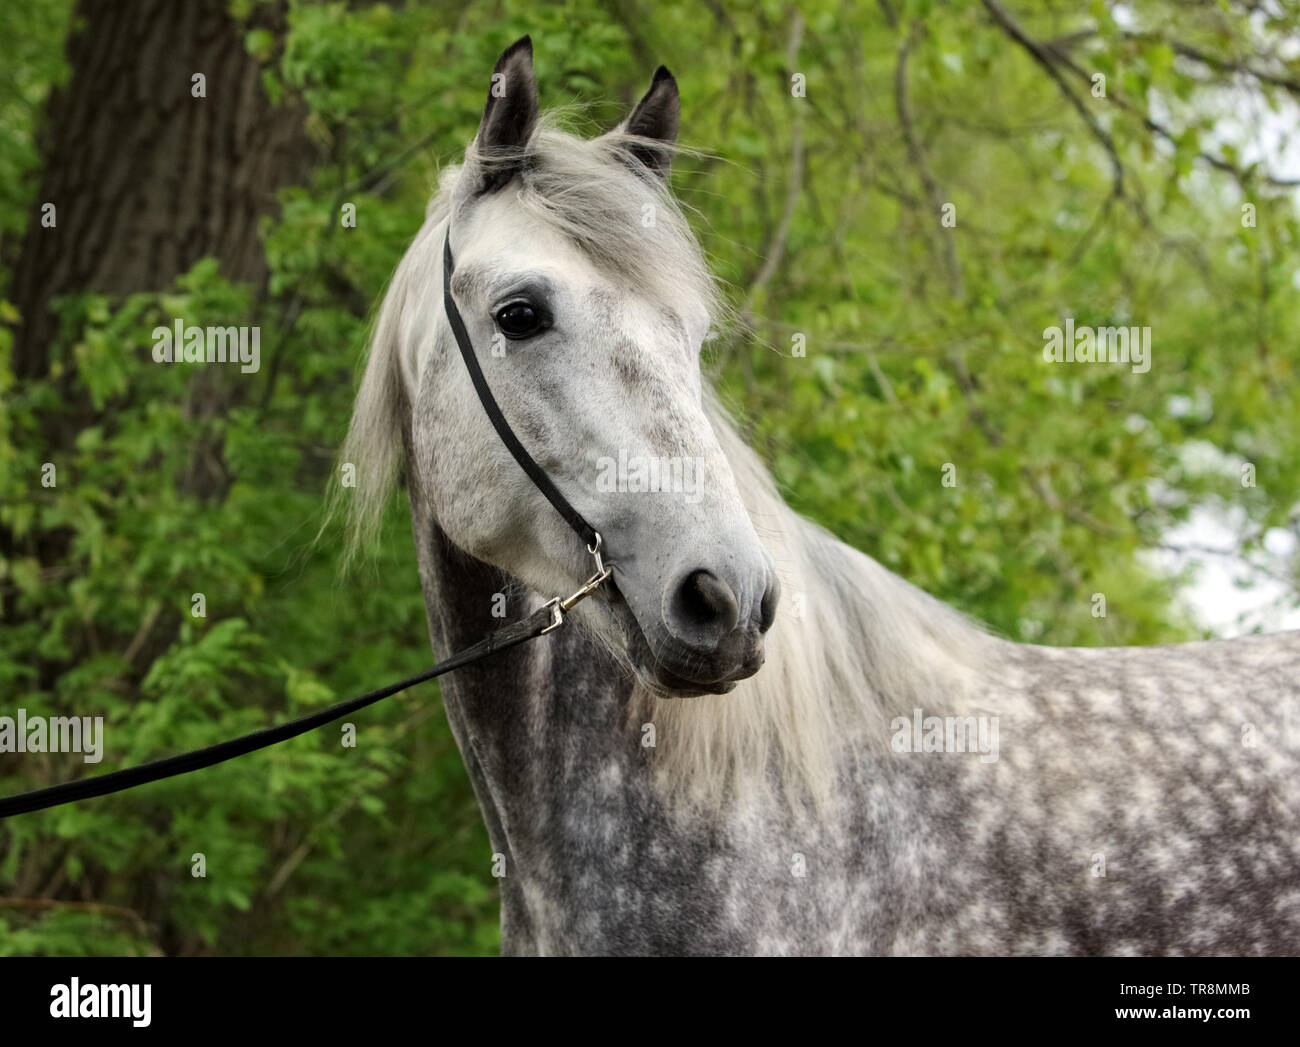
535,472
546,618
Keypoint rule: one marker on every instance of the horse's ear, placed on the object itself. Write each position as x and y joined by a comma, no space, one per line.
656,119
509,116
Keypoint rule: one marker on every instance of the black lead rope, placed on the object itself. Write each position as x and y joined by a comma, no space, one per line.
541,621
115,781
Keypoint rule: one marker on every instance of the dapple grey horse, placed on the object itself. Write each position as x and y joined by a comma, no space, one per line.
755,739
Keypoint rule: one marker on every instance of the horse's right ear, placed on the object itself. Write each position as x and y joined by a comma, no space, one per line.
508,118
655,121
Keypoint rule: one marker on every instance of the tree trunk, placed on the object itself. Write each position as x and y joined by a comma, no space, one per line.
145,177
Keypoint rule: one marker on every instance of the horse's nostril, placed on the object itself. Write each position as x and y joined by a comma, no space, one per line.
705,602
767,609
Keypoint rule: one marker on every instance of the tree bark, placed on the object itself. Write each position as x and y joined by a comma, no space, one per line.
146,178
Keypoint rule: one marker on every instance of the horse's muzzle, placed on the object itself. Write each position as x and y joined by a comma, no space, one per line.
711,632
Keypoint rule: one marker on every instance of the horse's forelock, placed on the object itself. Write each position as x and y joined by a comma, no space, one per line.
602,197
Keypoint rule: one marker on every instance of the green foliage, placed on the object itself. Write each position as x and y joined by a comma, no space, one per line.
923,348
33,36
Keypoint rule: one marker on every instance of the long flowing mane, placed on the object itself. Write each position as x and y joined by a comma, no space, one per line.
854,645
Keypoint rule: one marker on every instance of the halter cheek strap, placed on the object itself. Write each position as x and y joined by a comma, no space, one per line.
557,606
535,472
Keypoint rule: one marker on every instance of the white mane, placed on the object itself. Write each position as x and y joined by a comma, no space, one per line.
853,646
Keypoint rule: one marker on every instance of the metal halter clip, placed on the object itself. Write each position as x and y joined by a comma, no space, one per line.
559,606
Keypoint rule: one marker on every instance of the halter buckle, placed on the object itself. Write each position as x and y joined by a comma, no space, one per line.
560,606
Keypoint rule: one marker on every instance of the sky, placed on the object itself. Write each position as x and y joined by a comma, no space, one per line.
1229,594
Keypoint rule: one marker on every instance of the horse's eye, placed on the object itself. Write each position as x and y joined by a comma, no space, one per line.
521,320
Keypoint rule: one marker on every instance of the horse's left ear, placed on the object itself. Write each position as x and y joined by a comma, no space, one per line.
656,118
508,117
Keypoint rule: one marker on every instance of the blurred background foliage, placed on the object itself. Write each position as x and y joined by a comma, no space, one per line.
823,215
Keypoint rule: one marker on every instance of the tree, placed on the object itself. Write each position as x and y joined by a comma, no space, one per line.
163,149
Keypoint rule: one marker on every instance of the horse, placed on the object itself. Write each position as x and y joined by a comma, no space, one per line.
698,764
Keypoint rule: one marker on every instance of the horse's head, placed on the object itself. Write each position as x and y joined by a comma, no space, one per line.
586,300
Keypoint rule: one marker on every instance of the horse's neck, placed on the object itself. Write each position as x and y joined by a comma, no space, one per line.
464,599
543,702
558,764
